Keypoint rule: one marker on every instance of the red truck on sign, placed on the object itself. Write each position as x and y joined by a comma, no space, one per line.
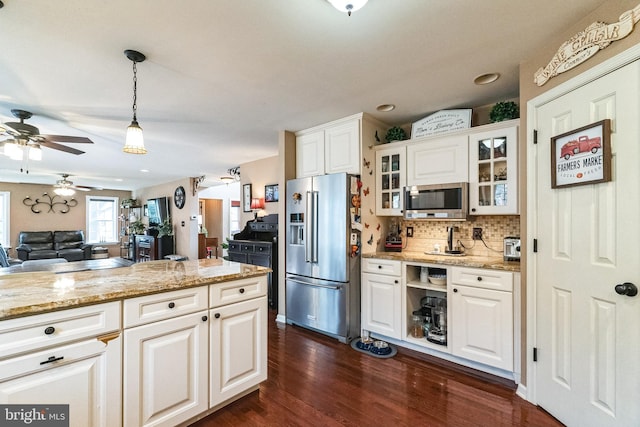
581,145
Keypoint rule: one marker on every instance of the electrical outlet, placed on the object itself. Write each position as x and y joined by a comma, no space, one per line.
409,231
477,233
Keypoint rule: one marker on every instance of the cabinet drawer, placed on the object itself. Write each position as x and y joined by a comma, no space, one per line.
48,329
238,290
152,308
481,278
382,266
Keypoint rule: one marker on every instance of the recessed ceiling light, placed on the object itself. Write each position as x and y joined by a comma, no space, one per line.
485,79
385,107
144,170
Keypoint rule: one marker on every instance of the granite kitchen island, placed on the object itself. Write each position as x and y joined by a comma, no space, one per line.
108,342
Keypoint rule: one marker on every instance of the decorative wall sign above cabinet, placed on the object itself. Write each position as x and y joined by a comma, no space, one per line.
441,122
587,43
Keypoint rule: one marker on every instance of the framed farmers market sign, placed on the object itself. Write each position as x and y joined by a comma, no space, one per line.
582,156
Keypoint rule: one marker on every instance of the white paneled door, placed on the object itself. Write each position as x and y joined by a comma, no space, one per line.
587,335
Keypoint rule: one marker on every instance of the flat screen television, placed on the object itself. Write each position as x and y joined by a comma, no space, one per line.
158,210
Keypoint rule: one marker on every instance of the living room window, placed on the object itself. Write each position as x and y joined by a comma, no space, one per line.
102,219
4,218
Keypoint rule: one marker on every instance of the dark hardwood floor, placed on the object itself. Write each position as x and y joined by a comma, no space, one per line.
316,381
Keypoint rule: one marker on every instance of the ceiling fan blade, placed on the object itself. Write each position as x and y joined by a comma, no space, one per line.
60,147
81,188
67,138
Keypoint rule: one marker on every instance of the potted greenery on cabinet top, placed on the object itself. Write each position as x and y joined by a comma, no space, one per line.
166,228
506,110
395,134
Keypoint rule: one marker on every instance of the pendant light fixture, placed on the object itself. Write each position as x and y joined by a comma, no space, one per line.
135,142
348,6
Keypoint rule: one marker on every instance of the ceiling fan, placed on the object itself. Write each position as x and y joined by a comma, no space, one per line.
23,135
64,187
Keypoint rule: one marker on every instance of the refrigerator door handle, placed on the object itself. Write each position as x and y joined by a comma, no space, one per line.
308,224
315,227
314,284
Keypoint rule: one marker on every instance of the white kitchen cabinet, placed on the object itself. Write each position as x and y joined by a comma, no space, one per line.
440,160
390,180
482,316
342,148
493,170
310,154
238,348
68,357
331,149
382,297
166,361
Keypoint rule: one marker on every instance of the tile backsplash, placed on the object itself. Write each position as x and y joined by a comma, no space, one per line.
426,234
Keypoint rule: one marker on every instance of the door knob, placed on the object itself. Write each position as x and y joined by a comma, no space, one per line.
628,289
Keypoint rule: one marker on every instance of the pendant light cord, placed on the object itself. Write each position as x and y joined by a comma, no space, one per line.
135,91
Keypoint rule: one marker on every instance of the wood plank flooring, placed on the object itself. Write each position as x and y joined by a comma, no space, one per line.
316,381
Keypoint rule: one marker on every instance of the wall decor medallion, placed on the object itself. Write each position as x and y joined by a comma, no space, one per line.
179,197
49,201
582,156
587,43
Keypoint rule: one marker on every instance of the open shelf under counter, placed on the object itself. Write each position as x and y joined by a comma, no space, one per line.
426,286
422,342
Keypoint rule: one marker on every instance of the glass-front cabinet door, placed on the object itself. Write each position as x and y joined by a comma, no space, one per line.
493,171
390,180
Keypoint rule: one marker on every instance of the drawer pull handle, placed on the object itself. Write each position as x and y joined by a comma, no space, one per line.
172,304
49,330
455,289
242,290
205,318
217,315
479,278
52,359
379,266
395,281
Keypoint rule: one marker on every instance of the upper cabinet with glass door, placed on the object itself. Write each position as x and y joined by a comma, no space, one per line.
390,180
493,170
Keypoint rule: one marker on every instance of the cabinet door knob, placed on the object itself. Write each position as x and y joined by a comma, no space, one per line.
479,278
242,290
205,318
473,209
172,304
49,330
395,281
455,289
379,266
217,315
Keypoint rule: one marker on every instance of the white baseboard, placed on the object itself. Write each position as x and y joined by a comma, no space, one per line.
522,391
281,318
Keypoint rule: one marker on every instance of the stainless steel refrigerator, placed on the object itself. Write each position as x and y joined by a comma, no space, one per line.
322,263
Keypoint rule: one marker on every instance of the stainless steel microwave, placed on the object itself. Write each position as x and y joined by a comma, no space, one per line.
438,201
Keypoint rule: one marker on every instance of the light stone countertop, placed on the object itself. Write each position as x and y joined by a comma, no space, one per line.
23,294
494,263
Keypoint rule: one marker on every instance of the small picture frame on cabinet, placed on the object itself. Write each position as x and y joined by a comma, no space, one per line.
246,198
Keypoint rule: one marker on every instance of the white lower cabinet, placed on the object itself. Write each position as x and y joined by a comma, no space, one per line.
238,348
59,368
381,297
482,317
165,371
381,311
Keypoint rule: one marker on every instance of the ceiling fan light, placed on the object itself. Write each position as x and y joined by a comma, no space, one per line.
227,179
64,191
135,140
13,151
348,6
35,152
